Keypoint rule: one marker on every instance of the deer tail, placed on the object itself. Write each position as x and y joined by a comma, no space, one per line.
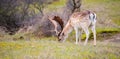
92,17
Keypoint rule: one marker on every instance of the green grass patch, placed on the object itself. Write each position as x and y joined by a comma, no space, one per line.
108,9
108,30
117,21
55,5
105,33
31,47
44,49
102,33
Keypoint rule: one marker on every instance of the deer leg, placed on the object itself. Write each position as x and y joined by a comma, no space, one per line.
94,33
87,35
80,34
77,33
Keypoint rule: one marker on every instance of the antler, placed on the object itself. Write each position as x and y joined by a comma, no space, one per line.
56,20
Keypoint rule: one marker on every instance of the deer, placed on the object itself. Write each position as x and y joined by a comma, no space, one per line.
79,21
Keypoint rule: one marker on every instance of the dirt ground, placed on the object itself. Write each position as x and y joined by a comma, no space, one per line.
115,38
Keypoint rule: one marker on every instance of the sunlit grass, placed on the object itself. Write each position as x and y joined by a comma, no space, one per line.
106,10
55,5
44,49
108,30
102,33
50,48
27,46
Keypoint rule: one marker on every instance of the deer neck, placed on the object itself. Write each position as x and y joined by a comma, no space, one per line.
67,29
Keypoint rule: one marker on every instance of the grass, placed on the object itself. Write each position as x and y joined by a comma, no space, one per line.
30,47
44,49
102,34
55,5
107,10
